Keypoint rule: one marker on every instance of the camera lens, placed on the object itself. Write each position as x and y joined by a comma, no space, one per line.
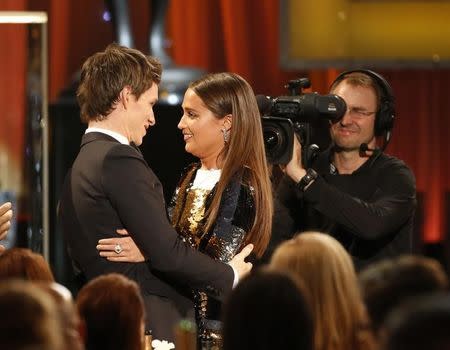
278,139
271,138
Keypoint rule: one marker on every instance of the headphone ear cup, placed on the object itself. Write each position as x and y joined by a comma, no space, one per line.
384,121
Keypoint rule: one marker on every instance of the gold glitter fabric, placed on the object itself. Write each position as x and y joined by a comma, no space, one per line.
187,209
189,224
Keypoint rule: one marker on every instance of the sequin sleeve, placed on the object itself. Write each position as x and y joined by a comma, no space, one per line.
225,248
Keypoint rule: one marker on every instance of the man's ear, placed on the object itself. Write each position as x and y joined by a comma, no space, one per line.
124,96
227,121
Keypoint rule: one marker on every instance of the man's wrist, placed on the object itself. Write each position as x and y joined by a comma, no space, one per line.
296,174
307,180
235,277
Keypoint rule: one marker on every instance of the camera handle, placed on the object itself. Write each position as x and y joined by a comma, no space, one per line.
311,154
309,150
297,84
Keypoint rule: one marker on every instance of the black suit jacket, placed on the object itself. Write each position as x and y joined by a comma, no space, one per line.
110,186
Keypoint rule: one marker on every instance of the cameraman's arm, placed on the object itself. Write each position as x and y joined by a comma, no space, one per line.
390,206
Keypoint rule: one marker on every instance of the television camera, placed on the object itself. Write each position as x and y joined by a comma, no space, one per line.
284,117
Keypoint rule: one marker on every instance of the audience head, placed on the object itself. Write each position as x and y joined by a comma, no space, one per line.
105,74
267,310
25,264
386,284
72,328
112,309
422,323
29,318
222,127
326,270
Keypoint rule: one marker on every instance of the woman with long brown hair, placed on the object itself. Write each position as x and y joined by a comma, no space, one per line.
221,126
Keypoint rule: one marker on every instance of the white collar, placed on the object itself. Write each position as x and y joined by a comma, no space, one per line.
122,139
206,179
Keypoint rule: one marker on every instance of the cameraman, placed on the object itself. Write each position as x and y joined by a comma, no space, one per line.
363,197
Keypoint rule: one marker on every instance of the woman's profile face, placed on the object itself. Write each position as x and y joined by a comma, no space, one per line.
201,128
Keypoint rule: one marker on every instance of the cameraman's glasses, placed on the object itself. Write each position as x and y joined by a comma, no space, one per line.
356,112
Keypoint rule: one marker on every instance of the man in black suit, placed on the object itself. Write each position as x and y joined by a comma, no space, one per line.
111,186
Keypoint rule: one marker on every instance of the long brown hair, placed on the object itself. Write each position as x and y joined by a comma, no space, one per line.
326,271
224,94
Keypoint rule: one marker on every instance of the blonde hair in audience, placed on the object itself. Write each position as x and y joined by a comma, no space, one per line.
326,271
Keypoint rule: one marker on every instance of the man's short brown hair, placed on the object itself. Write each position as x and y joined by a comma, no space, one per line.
106,73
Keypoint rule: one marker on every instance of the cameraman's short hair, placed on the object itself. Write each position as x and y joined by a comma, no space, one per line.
359,79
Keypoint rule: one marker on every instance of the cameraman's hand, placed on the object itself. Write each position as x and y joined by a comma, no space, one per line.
294,169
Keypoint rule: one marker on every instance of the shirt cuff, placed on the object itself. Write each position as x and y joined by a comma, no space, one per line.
236,277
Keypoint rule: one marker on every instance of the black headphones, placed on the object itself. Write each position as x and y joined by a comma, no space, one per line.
384,119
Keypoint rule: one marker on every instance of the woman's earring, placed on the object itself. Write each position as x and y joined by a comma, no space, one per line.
226,135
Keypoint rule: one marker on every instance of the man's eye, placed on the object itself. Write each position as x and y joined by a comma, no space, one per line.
360,112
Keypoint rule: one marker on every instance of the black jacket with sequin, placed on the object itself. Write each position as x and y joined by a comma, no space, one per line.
227,236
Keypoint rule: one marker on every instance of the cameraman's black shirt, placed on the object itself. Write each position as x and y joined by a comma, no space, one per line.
369,211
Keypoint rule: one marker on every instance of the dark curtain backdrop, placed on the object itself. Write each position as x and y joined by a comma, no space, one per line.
243,37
